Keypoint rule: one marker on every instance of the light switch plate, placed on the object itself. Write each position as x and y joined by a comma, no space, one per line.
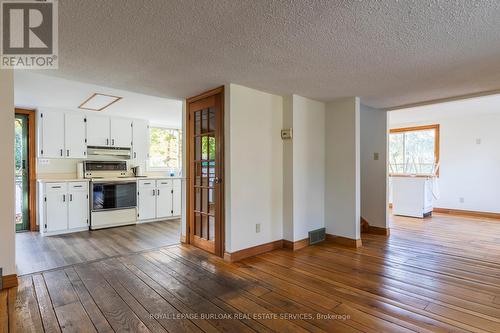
257,228
286,134
376,156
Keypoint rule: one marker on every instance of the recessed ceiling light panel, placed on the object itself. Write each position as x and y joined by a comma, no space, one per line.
98,102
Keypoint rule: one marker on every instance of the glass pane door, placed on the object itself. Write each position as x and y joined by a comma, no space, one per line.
21,172
205,195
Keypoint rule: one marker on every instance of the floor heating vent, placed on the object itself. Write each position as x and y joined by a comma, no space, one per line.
317,236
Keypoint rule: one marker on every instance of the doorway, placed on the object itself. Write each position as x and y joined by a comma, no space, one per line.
205,140
25,179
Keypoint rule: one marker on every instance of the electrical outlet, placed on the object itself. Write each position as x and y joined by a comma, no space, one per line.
376,156
257,228
478,141
462,200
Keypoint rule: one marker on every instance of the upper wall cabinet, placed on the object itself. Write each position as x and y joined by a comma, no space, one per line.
140,140
74,137
51,135
98,131
61,135
121,132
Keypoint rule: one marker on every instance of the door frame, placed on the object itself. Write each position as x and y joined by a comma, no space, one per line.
31,165
220,240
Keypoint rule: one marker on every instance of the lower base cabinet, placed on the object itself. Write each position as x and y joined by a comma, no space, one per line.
159,199
64,207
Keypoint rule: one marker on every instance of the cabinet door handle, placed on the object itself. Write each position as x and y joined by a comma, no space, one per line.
158,191
154,192
64,197
112,142
107,142
67,152
135,154
71,197
61,152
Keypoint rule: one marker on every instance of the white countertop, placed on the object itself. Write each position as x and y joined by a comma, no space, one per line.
58,180
61,180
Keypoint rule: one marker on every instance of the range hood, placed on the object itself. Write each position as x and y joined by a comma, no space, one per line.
123,153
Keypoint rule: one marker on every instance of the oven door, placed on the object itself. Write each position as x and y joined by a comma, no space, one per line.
113,195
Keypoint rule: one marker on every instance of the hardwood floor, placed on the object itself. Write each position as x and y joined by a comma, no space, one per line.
434,275
35,253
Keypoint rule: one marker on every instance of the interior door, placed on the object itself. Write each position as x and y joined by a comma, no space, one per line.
205,204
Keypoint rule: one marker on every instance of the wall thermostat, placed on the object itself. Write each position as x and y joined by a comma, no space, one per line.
286,134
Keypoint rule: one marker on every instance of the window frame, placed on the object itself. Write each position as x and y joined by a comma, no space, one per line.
436,129
162,169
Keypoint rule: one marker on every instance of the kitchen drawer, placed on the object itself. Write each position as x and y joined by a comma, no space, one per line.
78,186
163,182
55,187
147,183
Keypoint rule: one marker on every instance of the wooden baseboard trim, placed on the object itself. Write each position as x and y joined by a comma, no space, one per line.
377,231
253,251
9,281
471,213
355,243
297,245
366,228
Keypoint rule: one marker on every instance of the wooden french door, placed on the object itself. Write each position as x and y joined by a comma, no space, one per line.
205,135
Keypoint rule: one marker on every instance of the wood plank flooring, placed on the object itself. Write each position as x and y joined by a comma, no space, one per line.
36,253
434,275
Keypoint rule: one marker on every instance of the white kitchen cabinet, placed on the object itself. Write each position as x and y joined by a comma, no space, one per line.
146,199
51,135
163,198
98,131
78,205
176,197
159,199
140,141
121,132
75,135
64,207
56,207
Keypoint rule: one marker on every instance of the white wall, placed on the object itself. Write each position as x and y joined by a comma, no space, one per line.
254,167
288,190
469,170
7,226
308,166
374,182
342,194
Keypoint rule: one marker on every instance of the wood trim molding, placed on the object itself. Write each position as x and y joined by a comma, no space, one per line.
183,239
9,281
366,228
31,165
297,245
253,251
471,213
436,128
355,243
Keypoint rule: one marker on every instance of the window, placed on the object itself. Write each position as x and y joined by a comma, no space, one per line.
165,148
414,150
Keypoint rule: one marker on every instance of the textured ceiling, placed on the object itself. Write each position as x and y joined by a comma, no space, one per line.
388,52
